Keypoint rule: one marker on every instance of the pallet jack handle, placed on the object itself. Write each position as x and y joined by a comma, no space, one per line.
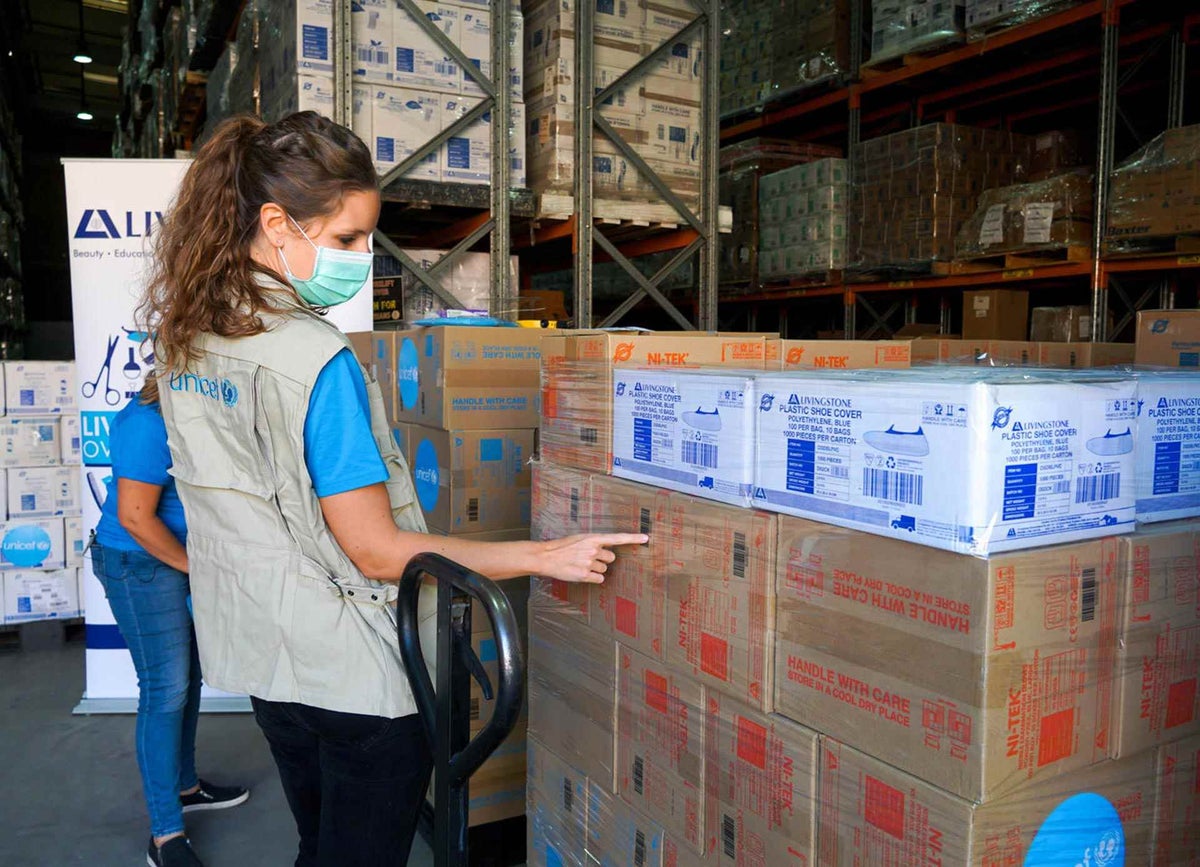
446,711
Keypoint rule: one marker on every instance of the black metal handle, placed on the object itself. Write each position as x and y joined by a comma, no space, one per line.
510,690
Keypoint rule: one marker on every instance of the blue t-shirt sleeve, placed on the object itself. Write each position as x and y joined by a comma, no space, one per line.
139,447
339,448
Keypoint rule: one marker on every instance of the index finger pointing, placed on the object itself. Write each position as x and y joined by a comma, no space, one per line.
610,540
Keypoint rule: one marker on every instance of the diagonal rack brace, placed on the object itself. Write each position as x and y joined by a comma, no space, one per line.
427,278
648,286
662,274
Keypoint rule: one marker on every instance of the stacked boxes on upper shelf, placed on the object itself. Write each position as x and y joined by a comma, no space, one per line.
658,115
407,87
900,27
803,220
462,402
913,190
984,16
798,686
1155,194
41,537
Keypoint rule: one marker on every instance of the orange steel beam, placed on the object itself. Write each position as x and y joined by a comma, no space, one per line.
1165,262
952,281
771,118
455,232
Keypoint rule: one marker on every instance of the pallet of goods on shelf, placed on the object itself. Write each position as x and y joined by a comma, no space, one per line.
1028,224
399,295
1154,203
910,27
743,688
743,166
659,115
913,191
803,216
772,49
985,16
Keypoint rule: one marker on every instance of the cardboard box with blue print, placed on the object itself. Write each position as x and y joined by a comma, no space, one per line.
1165,338
471,481
460,377
30,596
40,387
32,544
43,492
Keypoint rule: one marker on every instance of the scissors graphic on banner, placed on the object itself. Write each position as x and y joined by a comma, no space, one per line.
132,368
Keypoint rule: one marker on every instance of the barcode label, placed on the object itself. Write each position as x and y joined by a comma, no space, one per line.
1063,487
445,69
1088,607
639,848
739,555
894,486
1091,489
474,708
700,455
473,510
638,772
839,472
729,835
568,796
366,54
644,522
574,505
589,436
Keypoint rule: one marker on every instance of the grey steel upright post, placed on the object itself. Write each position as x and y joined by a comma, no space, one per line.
585,18
853,136
502,301
1177,82
343,64
710,160
1105,143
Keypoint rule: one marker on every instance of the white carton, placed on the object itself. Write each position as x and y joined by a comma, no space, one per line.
32,544
372,23
296,35
690,431
467,157
30,442
968,461
74,542
476,44
361,121
418,60
1168,446
40,387
32,596
403,120
43,492
68,434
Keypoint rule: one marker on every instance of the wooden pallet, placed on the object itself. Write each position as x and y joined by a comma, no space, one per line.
39,634
618,212
1136,248
1024,258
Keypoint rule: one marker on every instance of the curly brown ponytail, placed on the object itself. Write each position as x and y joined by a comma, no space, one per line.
204,277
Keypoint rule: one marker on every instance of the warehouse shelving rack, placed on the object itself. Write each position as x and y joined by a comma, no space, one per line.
1074,41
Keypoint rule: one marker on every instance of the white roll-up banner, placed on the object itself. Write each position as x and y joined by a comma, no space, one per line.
114,209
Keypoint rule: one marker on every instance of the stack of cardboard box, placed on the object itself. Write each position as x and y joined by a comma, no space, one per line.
1043,215
771,49
41,538
463,405
914,189
658,115
1156,193
984,16
900,27
407,89
802,211
763,688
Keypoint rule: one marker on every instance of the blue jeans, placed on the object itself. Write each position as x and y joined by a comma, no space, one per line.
149,601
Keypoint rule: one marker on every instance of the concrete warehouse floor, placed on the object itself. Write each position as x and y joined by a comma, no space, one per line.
71,793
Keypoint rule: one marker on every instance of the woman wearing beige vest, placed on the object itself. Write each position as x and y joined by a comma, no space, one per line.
301,513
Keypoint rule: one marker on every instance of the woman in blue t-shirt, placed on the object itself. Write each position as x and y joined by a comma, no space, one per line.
139,555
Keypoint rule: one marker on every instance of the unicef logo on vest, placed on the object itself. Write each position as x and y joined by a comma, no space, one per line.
26,547
222,391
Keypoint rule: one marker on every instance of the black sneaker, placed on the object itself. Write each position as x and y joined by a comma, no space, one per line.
176,852
210,797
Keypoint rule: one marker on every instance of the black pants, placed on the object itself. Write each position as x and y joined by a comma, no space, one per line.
355,783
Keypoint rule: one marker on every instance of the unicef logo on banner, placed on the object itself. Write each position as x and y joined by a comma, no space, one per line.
407,373
426,478
1083,831
26,547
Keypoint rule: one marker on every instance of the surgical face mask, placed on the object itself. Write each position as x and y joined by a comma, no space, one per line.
337,274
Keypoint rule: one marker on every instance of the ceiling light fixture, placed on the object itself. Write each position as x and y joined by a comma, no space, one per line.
82,55
83,113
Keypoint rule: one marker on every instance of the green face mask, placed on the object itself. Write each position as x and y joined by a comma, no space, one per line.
337,274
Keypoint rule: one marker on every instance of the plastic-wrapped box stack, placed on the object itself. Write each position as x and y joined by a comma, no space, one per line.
803,216
900,27
1039,216
914,189
42,536
984,16
771,49
462,401
743,166
659,115
1155,194
754,687
399,295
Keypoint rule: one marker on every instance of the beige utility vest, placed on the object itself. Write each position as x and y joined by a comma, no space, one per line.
281,612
